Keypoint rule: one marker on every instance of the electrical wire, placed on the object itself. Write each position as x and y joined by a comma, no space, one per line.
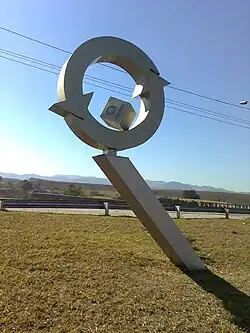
122,71
47,64
119,86
208,98
52,46
23,63
122,93
57,73
203,116
206,111
25,57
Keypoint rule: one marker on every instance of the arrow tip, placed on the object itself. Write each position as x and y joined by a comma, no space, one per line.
64,108
86,98
59,108
165,83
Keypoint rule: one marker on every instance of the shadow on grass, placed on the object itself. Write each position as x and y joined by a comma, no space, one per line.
234,300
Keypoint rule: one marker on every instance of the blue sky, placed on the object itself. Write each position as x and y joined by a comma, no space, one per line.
202,46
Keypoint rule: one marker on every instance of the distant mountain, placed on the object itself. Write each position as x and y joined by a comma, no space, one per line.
161,185
156,185
60,178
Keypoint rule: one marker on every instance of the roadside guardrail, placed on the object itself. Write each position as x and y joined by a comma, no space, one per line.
107,205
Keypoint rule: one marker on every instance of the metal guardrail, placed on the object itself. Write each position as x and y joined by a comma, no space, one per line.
85,203
201,209
93,203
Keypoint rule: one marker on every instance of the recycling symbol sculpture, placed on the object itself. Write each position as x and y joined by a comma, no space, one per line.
73,106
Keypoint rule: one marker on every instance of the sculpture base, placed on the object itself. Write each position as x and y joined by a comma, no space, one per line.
133,188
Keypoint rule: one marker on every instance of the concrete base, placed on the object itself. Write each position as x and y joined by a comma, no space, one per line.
133,188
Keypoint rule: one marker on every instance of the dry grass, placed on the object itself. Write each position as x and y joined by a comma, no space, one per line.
73,273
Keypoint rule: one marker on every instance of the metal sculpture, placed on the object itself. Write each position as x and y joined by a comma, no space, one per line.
73,107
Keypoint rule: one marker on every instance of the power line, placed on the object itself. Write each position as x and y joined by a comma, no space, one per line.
122,93
203,116
119,86
208,98
34,60
120,70
207,111
116,85
47,64
23,63
35,40
52,46
57,73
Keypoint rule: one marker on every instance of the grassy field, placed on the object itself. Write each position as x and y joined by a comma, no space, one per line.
84,274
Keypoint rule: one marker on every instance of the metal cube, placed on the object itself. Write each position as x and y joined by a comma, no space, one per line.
118,114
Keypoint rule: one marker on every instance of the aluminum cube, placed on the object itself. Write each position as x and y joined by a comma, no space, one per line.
118,114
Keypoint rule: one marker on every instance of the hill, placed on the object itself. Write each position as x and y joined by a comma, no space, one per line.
11,188
156,185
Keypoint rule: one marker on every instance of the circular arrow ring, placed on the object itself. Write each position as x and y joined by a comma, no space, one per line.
140,67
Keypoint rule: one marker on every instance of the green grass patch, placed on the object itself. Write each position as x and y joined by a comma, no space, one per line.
78,273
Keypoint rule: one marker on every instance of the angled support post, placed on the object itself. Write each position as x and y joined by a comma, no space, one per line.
133,188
